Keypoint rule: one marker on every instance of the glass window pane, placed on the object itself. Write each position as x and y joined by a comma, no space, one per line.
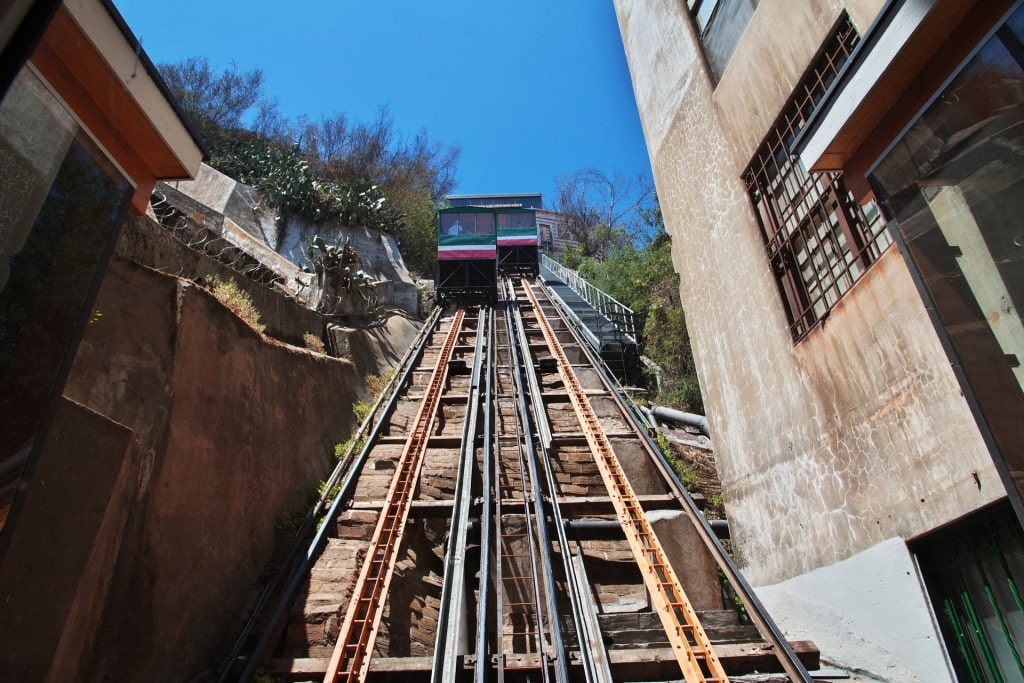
955,186
62,205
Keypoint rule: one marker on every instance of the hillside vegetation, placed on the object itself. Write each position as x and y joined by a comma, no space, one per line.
640,274
352,173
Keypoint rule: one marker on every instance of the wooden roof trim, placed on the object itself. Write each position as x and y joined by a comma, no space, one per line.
88,60
897,49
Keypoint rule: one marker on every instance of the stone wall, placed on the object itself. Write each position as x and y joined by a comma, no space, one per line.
289,238
218,437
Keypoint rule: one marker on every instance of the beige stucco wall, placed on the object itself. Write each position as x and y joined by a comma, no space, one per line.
858,433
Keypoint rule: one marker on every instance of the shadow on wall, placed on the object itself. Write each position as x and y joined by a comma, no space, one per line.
185,443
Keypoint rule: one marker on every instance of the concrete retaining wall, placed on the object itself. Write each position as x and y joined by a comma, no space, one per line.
209,439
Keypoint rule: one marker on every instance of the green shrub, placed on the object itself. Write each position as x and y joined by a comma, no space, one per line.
313,342
361,409
289,185
687,477
229,294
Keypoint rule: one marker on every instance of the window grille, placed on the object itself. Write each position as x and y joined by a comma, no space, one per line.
819,241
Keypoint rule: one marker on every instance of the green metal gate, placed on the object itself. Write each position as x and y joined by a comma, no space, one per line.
974,572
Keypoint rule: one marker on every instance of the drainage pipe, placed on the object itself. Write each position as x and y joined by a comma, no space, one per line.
679,417
649,416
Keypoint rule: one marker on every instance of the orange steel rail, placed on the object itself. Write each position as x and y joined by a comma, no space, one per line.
351,658
677,614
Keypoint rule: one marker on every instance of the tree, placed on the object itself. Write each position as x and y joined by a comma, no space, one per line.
214,102
602,211
641,275
331,169
407,168
418,239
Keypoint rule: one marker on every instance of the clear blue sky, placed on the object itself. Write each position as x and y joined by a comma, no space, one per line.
529,90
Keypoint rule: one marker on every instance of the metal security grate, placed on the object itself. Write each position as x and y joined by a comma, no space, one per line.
819,241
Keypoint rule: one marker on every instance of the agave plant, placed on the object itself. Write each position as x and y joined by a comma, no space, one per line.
337,268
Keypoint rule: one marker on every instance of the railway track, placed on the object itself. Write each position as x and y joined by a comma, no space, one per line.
507,520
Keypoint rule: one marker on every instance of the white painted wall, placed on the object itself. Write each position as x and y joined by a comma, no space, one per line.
869,613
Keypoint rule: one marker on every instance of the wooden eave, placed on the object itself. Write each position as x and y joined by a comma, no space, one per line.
868,107
92,66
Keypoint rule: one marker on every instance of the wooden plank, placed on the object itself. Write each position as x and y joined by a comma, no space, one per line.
736,658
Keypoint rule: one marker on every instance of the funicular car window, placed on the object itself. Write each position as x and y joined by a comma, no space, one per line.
470,223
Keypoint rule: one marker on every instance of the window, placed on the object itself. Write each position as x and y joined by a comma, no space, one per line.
61,206
953,186
819,240
468,223
721,23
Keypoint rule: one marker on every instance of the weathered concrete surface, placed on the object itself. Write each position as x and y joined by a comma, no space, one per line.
221,436
145,242
379,256
239,202
851,427
897,631
858,433
289,238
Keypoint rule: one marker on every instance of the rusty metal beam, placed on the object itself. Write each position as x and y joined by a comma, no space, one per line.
352,653
677,614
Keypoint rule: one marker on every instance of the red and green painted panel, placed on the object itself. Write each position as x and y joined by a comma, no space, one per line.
517,227
466,247
515,237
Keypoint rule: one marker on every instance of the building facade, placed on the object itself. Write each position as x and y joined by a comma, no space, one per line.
840,182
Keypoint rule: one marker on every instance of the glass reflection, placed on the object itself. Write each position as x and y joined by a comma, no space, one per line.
63,203
467,223
955,187
518,219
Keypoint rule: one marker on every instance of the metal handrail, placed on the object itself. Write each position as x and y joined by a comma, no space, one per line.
620,315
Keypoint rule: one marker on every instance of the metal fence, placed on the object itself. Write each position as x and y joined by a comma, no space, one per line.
620,315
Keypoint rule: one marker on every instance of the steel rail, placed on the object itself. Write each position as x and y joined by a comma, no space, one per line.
677,614
593,655
497,522
536,530
406,366
352,653
561,656
481,666
450,643
500,519
540,417
756,610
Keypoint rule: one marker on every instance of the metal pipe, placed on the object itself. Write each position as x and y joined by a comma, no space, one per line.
679,417
649,416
